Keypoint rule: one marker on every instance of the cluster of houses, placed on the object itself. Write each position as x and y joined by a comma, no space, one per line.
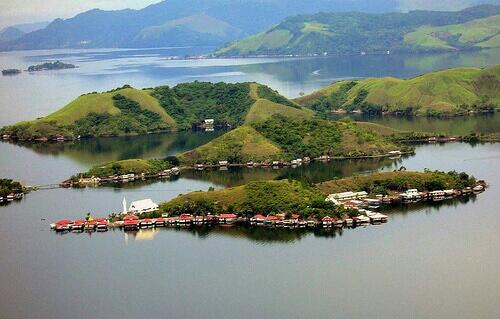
95,181
276,164
414,195
357,201
11,197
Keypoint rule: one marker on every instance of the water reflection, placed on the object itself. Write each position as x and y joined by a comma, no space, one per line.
462,125
271,235
106,149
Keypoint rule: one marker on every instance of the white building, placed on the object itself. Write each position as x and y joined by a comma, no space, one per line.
143,206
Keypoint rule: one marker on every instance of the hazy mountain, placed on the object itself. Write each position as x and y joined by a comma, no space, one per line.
10,33
353,33
180,22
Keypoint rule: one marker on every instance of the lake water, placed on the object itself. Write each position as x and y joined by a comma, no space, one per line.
438,261
426,262
31,95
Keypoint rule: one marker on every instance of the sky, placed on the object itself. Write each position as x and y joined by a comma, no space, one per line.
27,11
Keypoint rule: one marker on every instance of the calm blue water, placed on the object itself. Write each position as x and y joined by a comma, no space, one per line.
27,96
427,262
424,263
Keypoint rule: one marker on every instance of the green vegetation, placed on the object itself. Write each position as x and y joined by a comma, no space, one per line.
118,112
8,186
58,65
264,109
126,111
240,145
397,182
353,33
481,33
258,197
294,197
285,138
191,103
131,166
442,93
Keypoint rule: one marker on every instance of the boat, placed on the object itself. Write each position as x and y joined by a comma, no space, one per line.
18,196
302,223
348,222
78,225
11,197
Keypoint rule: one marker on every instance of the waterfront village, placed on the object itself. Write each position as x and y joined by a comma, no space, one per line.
363,211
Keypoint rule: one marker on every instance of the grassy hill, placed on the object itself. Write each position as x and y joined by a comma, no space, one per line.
131,111
397,182
280,137
136,166
353,33
480,33
293,197
447,92
237,146
264,197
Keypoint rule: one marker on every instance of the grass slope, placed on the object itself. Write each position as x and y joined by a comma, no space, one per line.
237,146
483,33
282,138
263,109
447,92
354,32
264,197
103,103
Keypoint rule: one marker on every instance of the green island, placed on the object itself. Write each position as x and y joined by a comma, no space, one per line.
130,111
350,33
449,92
57,65
282,138
308,200
8,187
147,167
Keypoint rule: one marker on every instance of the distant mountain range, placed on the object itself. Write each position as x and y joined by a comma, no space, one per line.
200,22
17,31
359,33
180,23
